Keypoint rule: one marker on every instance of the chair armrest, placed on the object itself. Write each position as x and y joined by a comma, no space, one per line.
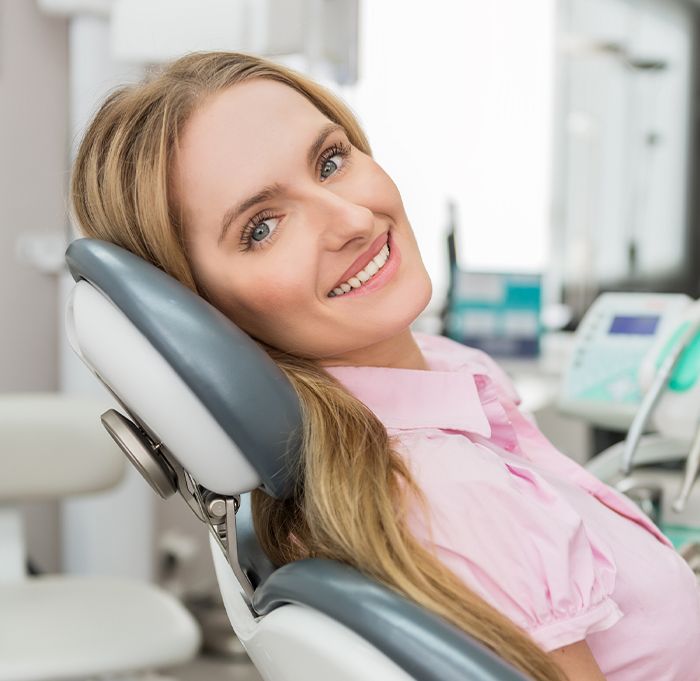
53,445
426,646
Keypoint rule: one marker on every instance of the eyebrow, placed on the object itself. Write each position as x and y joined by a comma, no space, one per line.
273,190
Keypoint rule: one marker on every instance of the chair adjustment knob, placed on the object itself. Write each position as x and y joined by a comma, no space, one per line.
139,449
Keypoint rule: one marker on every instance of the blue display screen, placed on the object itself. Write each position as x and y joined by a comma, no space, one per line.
639,325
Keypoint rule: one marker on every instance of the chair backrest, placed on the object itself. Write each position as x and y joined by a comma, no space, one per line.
187,375
217,418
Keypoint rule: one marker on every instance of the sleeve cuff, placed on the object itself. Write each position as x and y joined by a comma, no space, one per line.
564,632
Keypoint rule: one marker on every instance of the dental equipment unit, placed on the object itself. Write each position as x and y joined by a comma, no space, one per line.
635,366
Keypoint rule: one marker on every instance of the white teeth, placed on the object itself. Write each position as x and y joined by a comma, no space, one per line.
363,275
383,255
372,268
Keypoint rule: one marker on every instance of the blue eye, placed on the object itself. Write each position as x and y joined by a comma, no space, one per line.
260,231
255,234
329,167
332,160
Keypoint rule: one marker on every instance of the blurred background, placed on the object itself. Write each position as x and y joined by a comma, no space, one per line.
552,142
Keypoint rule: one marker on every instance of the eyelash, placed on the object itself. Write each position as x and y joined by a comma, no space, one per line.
336,149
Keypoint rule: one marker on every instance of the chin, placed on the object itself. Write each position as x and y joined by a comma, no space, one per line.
408,304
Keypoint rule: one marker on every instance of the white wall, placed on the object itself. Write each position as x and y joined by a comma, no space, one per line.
623,141
33,142
456,98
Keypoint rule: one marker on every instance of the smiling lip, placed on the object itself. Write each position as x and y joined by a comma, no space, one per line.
364,259
381,278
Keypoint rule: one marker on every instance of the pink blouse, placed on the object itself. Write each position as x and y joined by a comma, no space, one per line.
562,554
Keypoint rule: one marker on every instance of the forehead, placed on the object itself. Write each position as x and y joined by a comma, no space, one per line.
245,120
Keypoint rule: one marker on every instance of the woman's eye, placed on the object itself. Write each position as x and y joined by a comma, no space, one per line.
263,229
256,232
331,165
334,159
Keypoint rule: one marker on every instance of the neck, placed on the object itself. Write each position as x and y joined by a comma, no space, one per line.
397,352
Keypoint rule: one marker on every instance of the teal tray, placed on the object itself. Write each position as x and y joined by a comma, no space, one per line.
680,535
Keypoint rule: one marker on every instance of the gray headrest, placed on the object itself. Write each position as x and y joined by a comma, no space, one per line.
243,389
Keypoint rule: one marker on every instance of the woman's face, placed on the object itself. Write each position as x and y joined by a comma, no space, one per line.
279,209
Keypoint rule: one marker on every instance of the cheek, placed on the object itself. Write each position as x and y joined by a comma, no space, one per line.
269,294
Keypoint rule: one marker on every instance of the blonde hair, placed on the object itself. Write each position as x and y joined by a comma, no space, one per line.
355,489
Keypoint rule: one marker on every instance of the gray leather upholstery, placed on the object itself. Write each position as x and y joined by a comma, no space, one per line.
253,560
424,645
246,393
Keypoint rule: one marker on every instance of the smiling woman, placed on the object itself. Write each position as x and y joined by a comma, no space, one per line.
256,188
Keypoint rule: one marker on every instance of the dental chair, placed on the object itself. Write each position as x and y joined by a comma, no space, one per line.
72,626
205,412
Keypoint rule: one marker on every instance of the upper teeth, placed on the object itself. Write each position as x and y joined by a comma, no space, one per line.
365,274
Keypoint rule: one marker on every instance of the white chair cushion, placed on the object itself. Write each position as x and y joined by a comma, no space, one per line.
66,627
53,445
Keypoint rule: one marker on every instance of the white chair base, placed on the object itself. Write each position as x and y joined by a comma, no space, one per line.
282,643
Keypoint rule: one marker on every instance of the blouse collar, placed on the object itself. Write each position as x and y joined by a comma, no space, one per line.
444,397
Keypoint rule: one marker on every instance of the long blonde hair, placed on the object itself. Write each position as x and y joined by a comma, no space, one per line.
355,488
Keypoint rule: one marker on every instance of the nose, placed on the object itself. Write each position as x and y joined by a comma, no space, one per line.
341,220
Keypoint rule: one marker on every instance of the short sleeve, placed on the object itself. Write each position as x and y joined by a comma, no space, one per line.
515,541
